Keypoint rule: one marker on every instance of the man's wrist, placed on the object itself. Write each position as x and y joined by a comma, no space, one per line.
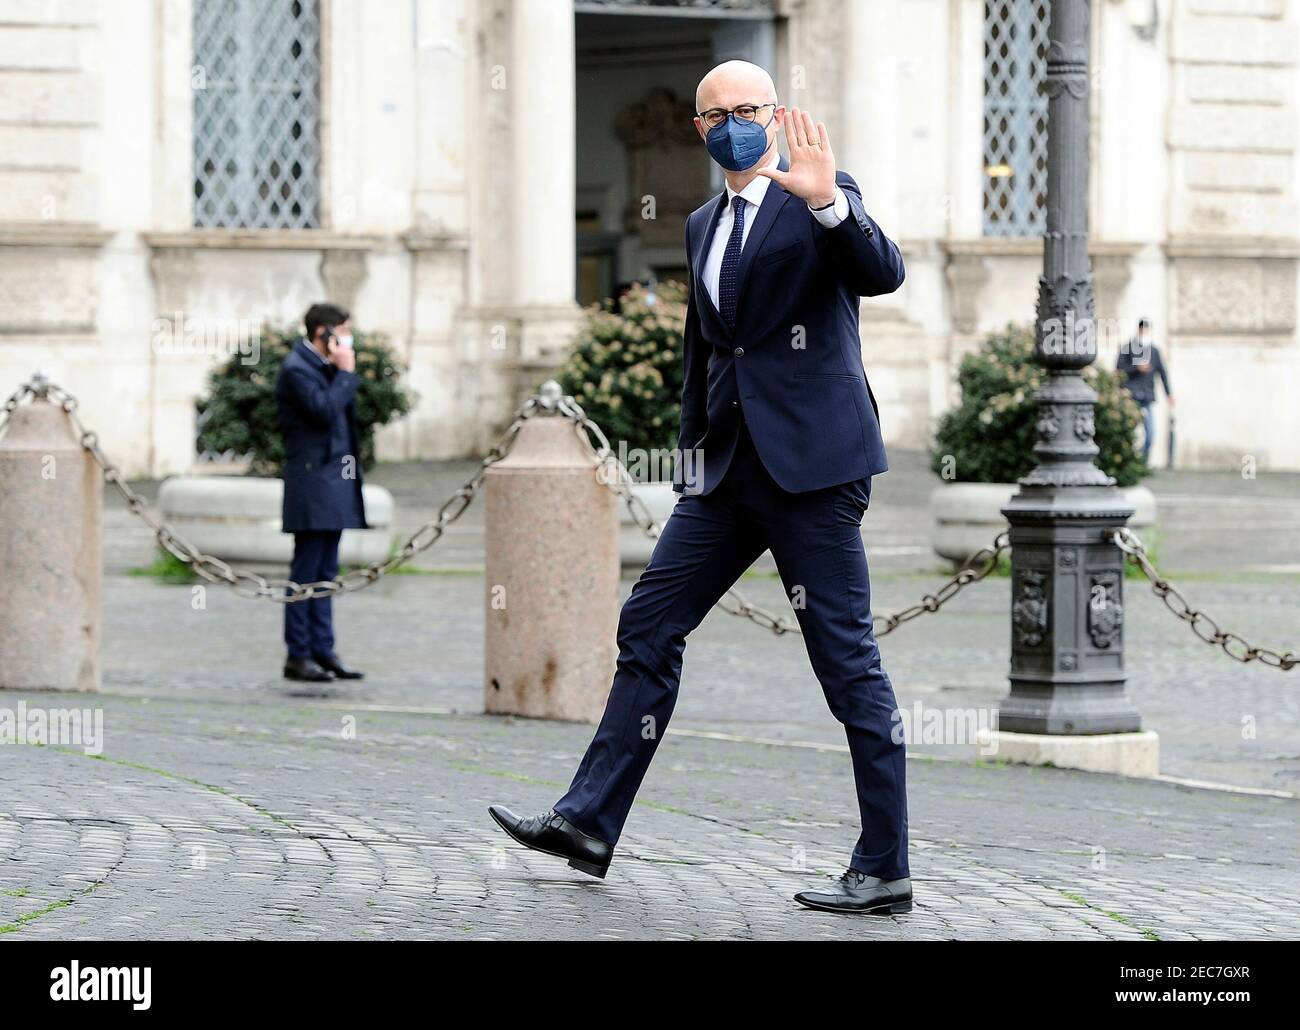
828,216
822,203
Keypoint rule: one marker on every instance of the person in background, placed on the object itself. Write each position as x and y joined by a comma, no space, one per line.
322,481
1139,364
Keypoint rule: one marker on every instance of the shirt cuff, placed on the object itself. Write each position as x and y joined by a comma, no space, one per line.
831,216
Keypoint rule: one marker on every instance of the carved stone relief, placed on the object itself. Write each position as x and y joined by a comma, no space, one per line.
667,170
1029,611
1105,611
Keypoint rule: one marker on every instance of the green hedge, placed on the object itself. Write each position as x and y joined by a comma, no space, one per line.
991,434
239,413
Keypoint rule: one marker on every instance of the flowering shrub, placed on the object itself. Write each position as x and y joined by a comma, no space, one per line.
626,368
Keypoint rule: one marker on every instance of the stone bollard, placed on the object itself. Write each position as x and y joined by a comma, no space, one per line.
50,574
551,537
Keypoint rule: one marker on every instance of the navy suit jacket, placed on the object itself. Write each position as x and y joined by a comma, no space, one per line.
322,454
793,362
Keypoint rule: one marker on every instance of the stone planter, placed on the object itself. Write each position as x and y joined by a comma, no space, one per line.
634,547
237,518
967,516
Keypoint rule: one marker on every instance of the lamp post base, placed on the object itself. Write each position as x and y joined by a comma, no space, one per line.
1085,706
1123,754
1067,613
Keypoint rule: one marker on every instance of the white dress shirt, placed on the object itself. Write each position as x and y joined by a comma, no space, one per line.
754,193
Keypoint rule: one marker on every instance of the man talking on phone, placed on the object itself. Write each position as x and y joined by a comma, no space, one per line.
786,439
322,481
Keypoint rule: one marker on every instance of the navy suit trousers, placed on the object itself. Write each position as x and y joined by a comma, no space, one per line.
309,625
816,541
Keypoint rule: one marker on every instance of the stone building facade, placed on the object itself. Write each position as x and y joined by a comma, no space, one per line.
463,174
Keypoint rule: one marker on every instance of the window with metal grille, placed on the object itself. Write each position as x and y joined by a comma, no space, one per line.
1015,117
256,83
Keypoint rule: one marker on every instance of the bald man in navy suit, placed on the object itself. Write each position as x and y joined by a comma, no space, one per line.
779,442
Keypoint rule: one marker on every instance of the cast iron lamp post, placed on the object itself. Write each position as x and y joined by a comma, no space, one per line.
1067,611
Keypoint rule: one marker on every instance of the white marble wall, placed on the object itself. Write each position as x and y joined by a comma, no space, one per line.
1232,235
449,172
1193,208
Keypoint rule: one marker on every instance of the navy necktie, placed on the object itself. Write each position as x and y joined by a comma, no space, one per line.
731,262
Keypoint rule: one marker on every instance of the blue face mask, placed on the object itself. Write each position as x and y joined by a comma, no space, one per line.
737,145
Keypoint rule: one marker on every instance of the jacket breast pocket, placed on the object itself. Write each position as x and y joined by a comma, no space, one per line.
777,257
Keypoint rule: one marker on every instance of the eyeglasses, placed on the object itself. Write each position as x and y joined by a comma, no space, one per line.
715,116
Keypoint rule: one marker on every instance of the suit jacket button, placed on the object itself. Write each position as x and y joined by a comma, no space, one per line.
308,466
739,352
735,404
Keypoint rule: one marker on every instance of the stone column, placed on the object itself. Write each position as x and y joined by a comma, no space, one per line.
866,137
1067,616
50,502
543,314
863,120
551,532
542,91
519,317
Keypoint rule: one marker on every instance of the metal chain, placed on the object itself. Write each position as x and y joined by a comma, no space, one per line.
250,584
1202,625
615,476
975,568
18,396
609,471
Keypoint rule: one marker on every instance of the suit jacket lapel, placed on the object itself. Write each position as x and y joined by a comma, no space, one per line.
773,200
702,255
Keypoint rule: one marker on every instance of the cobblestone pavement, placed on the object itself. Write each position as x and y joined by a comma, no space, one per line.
1232,545
302,818
420,638
231,803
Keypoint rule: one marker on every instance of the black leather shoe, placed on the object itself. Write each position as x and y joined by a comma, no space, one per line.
552,834
308,670
857,892
341,671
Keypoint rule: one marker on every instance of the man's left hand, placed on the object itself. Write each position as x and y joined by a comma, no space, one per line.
811,177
